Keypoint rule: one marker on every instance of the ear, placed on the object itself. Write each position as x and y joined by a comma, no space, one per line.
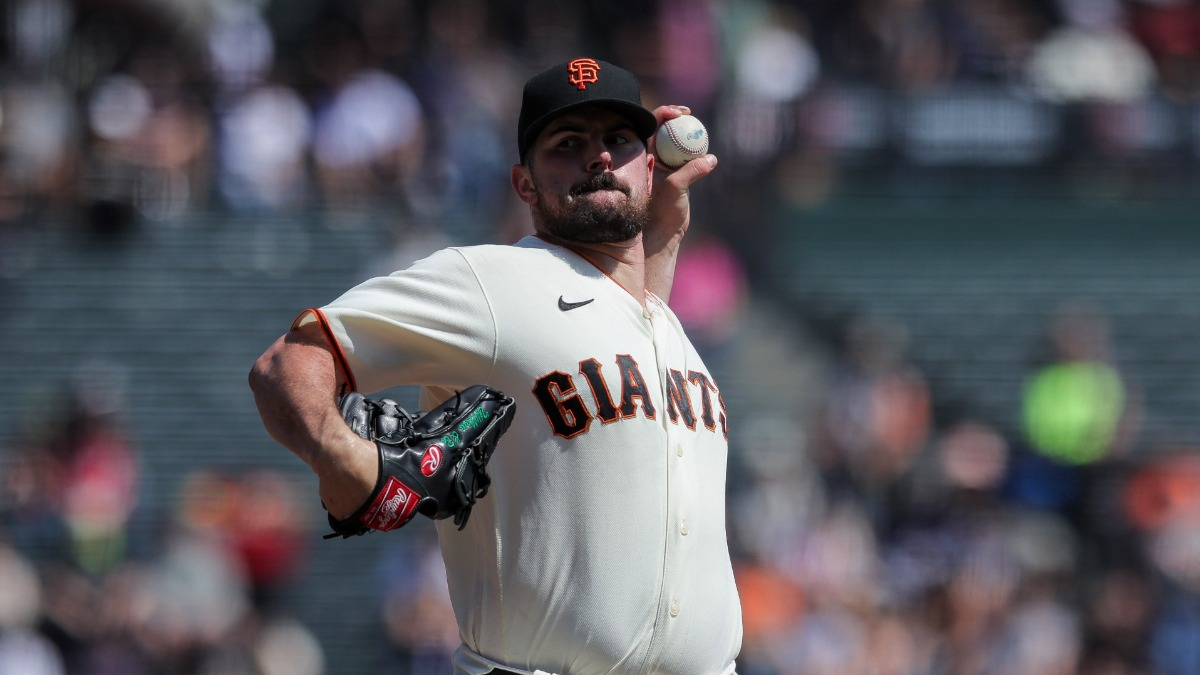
650,171
522,182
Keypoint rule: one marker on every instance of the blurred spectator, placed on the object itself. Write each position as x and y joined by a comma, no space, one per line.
773,604
900,642
194,595
92,621
369,128
38,147
207,601
1175,552
1077,407
258,516
98,491
39,136
973,457
1164,488
150,143
73,489
1043,638
830,641
1170,30
28,654
38,31
241,48
265,135
417,617
780,495
878,413
899,44
367,137
1091,57
836,563
464,75
773,60
772,66
1156,623
1079,420
22,649
1120,606
994,38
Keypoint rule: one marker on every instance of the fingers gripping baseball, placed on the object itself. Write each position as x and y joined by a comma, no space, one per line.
432,463
686,147
670,206
679,180
673,181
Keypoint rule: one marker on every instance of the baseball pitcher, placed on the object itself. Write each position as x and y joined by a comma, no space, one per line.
569,416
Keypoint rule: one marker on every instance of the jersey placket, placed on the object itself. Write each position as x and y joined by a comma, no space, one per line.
669,352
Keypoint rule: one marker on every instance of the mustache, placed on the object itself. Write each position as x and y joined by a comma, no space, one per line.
597,182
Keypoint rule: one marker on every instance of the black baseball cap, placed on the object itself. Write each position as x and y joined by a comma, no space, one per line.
577,83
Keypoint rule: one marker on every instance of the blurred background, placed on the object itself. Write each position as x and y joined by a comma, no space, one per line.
945,274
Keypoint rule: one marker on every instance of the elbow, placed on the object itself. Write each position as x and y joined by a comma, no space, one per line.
259,377
267,391
293,368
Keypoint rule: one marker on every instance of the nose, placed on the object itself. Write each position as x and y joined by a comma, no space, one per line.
600,159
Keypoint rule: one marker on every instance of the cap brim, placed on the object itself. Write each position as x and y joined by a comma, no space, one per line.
643,121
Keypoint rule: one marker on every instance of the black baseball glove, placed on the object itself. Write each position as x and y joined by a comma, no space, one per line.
432,463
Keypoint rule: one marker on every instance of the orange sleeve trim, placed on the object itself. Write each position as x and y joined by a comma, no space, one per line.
334,346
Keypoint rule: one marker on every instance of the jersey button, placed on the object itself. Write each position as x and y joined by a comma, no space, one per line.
679,450
674,609
683,528
645,312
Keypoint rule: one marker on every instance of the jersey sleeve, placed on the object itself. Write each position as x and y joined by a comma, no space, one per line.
430,324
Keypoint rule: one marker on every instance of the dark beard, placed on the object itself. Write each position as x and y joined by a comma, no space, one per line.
584,222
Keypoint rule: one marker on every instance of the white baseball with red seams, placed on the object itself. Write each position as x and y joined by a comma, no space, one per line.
680,140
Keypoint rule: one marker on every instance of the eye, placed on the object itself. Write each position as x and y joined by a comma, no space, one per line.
567,142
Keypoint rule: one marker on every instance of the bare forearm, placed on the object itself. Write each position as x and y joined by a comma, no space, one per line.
295,383
660,270
670,213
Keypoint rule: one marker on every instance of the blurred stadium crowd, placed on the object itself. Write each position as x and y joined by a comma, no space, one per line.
872,536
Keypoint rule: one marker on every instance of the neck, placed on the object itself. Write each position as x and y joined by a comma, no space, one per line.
624,261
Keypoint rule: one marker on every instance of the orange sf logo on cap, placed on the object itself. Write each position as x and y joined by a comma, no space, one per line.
583,72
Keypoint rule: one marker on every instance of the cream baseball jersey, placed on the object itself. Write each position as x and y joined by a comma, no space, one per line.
601,546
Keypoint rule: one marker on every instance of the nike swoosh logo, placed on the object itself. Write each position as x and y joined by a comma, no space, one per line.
568,306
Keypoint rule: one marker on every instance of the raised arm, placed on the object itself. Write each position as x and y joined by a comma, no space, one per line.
295,383
670,212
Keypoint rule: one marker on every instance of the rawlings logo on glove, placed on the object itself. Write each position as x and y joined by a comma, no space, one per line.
392,507
433,463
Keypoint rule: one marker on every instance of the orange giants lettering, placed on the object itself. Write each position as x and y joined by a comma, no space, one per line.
570,413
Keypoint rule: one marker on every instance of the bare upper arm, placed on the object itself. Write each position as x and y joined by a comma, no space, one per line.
303,352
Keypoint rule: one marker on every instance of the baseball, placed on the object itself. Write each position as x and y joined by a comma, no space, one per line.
680,140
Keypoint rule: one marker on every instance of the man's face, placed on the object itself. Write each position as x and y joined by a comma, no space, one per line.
588,178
